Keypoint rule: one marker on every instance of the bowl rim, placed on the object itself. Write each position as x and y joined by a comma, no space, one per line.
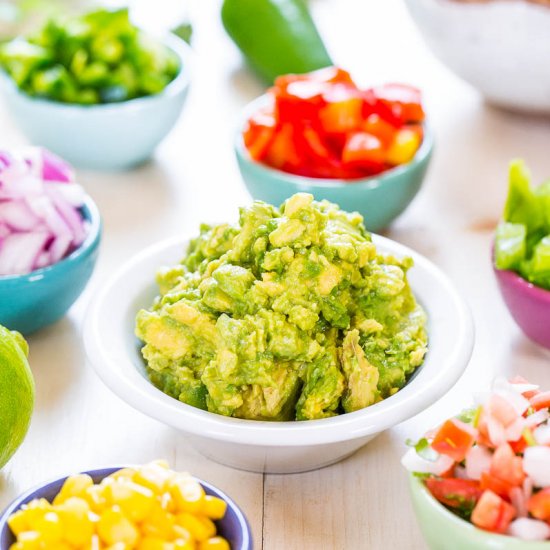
416,486
140,393
173,88
369,182
76,256
38,490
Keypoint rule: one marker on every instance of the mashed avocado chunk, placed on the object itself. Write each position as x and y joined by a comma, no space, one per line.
291,314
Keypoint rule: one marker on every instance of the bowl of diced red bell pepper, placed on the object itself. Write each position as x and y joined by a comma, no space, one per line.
481,480
365,149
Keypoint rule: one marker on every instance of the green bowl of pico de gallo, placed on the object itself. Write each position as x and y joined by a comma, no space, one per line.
481,480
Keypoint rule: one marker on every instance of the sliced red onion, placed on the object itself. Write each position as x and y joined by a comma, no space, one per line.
517,497
18,216
19,252
39,218
413,462
536,464
529,529
478,460
515,430
518,387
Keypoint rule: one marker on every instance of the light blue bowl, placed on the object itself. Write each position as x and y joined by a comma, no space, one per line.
379,199
110,136
32,301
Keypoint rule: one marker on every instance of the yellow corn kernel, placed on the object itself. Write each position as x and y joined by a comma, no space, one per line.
168,502
201,528
134,500
159,523
213,507
214,543
30,540
182,544
35,510
114,526
154,477
153,543
17,522
95,497
161,462
50,528
404,146
181,533
74,486
58,545
123,473
17,546
119,546
93,544
188,494
78,526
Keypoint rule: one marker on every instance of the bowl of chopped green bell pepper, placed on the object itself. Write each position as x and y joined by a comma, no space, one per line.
95,89
521,256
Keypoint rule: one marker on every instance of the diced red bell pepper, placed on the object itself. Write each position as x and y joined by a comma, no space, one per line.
328,75
366,150
282,152
539,504
492,513
455,438
405,101
457,493
258,133
377,126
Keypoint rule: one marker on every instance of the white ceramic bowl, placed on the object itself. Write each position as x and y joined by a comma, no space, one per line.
274,447
501,47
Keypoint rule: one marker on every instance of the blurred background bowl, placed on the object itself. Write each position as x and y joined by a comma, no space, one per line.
444,530
500,47
528,304
234,526
110,136
379,199
261,446
32,301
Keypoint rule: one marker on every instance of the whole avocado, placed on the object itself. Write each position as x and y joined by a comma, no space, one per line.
276,36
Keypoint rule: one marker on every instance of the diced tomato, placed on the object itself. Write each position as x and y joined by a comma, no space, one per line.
454,439
518,446
405,101
492,513
362,149
282,152
378,127
489,482
508,467
539,504
541,401
329,75
258,133
456,493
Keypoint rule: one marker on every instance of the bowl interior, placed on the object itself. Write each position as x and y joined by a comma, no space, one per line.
233,526
114,351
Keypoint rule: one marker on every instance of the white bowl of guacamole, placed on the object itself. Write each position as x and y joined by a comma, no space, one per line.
282,344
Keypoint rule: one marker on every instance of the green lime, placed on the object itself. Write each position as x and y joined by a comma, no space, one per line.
16,393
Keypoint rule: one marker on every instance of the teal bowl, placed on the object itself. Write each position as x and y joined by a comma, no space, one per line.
112,136
32,301
445,531
379,199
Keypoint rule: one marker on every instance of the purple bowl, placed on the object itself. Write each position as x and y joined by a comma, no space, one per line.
233,526
528,304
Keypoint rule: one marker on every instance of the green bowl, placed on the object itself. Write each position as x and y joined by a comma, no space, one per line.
445,531
379,199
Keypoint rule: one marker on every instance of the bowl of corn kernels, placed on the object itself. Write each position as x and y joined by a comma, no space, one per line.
148,507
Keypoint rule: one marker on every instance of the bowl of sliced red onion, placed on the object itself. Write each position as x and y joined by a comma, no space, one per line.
49,238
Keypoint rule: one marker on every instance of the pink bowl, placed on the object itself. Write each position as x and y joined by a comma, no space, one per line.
528,304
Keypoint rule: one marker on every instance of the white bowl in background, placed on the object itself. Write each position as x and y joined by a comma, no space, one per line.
273,447
501,47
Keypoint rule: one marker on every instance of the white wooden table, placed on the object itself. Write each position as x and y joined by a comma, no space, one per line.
363,501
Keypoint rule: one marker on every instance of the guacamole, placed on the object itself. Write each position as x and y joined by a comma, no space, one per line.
291,314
